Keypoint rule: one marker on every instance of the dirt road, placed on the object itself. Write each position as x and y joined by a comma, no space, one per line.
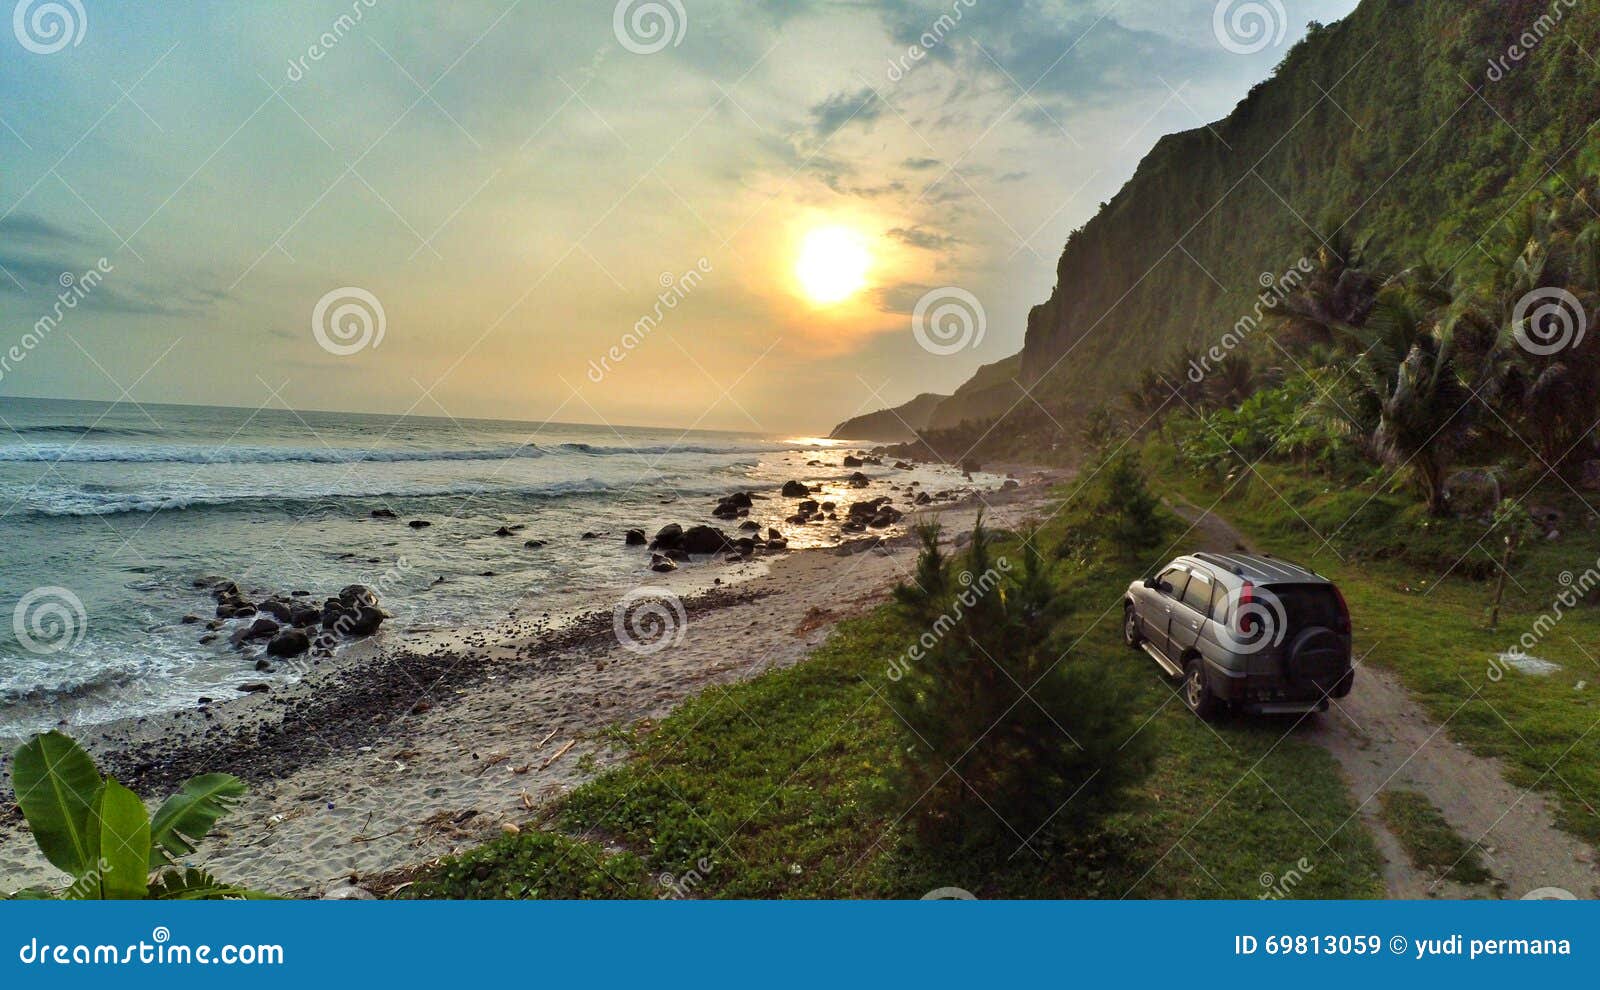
1384,740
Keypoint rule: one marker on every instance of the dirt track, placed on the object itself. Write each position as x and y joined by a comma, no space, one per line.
1383,740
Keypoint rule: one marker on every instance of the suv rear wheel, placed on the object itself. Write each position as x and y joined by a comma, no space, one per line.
1130,626
1196,692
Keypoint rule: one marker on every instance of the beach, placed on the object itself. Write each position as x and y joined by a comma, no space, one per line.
400,750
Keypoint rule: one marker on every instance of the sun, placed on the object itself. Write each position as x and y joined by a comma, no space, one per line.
833,264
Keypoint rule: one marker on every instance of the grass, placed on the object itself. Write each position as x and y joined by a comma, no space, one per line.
1419,591
774,788
1429,840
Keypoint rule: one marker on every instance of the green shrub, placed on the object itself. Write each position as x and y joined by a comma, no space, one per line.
99,833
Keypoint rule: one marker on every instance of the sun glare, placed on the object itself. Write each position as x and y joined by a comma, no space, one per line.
833,264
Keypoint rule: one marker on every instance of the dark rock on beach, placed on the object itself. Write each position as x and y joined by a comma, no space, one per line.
795,489
859,480
704,539
384,514
635,538
289,643
419,524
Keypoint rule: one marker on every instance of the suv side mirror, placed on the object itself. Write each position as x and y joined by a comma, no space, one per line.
1152,584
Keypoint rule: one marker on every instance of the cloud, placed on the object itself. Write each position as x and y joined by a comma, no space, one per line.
859,107
921,237
921,164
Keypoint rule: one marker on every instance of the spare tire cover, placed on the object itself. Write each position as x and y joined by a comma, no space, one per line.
1317,655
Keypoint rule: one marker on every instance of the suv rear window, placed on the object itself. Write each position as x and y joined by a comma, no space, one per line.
1308,605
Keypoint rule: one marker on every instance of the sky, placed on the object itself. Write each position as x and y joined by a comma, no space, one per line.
761,216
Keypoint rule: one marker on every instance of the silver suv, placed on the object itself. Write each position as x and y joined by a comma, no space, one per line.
1252,632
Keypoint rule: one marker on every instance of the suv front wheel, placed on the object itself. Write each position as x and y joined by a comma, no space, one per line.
1130,626
1196,692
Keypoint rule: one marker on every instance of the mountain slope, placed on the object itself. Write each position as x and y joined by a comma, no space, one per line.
891,425
1408,121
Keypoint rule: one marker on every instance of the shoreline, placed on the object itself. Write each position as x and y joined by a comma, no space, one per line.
399,754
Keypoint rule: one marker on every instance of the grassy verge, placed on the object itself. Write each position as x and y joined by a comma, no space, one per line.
771,788
1429,840
1419,593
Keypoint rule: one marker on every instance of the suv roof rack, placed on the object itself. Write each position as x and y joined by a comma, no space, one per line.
1258,567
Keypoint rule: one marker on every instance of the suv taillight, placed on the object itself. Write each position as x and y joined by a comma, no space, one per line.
1344,611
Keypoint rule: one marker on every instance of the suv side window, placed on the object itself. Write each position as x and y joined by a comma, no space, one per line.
1198,594
1172,582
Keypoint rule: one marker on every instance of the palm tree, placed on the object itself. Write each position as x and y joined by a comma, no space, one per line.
1425,417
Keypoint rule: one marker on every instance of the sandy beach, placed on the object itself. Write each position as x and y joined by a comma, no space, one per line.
396,755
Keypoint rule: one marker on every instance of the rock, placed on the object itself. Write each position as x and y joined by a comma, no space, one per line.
208,639
533,544
902,465
859,480
750,526
348,892
1010,483
364,621
668,536
773,534
256,688
808,507
278,610
262,628
289,643
384,514
726,511
590,535
305,615
777,545
681,556
419,524
795,489
263,666
504,531
244,610
352,595
923,498
190,620
740,500
704,539
635,538
662,564
850,461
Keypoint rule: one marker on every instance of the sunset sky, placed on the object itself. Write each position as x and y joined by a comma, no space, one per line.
516,183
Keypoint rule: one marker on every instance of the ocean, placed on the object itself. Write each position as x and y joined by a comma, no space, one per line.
109,514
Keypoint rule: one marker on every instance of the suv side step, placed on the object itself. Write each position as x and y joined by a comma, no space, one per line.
1166,665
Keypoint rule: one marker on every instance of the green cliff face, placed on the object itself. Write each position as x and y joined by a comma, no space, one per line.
1421,123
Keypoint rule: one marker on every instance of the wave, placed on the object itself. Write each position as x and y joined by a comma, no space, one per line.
79,502
222,454
80,430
